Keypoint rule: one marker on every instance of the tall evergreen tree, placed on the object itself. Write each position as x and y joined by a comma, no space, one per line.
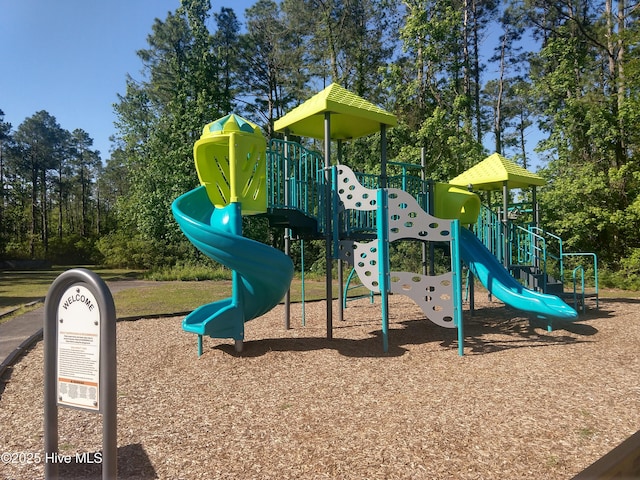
37,151
274,74
85,163
5,137
161,116
593,188
226,42
347,41
430,84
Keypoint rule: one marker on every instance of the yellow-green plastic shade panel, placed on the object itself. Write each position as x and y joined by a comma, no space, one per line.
351,116
453,202
493,171
230,159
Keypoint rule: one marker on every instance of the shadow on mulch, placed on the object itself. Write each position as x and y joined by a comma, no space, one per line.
133,464
368,347
5,378
492,330
633,301
487,331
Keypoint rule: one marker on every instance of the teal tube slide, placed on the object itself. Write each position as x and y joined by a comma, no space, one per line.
486,267
262,274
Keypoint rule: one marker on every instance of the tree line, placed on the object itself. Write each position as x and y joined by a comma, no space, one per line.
51,203
465,78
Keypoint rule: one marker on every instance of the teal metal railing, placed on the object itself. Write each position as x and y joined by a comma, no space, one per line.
581,267
554,250
536,247
295,178
528,247
361,222
348,286
489,230
574,274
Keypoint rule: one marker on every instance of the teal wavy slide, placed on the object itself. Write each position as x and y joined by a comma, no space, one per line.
499,282
262,274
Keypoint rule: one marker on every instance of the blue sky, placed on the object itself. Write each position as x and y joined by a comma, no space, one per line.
71,57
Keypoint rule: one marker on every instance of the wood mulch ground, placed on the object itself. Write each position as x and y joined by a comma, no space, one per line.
523,403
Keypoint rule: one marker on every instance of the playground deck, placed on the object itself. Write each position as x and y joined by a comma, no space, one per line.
521,403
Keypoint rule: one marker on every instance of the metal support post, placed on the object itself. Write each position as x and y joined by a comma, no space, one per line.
328,228
382,222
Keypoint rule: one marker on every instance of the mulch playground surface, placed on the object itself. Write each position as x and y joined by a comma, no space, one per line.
521,403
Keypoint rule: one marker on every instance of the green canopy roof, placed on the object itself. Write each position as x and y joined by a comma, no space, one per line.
230,123
491,173
351,116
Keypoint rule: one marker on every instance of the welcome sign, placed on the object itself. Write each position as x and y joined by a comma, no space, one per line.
78,363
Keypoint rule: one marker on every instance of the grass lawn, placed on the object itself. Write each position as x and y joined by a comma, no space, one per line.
18,288
180,297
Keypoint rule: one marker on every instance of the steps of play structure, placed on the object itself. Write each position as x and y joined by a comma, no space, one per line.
534,278
555,287
578,300
303,226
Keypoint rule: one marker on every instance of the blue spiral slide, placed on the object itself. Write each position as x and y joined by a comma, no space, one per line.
499,282
261,274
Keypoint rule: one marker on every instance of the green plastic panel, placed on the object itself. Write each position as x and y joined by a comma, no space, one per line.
230,160
351,116
493,171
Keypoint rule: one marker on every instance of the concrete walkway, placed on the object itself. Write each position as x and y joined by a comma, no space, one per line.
21,332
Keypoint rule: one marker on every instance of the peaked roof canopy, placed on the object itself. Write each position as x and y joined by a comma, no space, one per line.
230,123
493,171
352,116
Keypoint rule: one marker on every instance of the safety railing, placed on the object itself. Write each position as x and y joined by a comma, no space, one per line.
489,230
296,178
529,248
581,267
360,222
348,286
363,222
574,275
554,248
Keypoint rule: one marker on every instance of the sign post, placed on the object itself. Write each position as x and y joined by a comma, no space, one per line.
80,361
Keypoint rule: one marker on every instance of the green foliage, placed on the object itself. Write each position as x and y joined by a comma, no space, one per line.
49,207
593,210
406,256
630,269
274,48
628,278
119,249
16,251
419,59
187,272
160,119
74,250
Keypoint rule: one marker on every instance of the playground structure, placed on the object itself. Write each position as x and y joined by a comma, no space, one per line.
230,162
513,234
357,215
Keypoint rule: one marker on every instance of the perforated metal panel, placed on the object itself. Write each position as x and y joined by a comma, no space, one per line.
407,220
352,194
433,294
365,259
